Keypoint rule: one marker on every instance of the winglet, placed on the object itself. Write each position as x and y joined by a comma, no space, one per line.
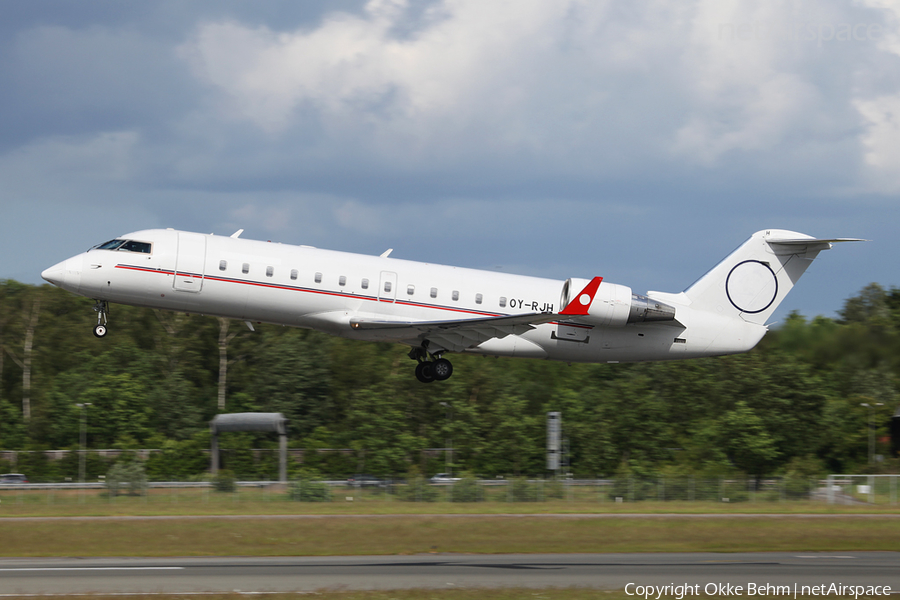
237,233
581,304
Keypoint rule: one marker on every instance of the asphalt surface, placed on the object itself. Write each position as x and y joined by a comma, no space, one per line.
601,571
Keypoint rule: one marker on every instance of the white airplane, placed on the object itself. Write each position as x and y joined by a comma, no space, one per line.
438,309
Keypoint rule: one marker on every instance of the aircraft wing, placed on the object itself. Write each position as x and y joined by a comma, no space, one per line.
455,335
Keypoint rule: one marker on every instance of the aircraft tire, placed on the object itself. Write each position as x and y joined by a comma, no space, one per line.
100,331
425,372
441,369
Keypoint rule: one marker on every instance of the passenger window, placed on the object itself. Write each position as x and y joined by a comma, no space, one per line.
270,271
478,298
294,274
410,289
434,292
245,268
455,295
387,286
365,284
318,278
223,264
342,281
502,301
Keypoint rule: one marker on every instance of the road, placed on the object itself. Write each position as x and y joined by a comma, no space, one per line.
602,571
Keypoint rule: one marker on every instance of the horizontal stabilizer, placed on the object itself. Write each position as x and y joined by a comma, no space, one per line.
808,241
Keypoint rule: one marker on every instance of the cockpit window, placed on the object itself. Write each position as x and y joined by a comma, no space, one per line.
131,246
126,245
110,245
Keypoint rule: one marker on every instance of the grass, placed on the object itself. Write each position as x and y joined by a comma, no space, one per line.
428,534
410,527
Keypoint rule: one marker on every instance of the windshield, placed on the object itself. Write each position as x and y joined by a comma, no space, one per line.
110,245
125,245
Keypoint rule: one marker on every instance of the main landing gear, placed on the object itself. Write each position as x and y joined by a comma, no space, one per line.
427,370
102,310
438,370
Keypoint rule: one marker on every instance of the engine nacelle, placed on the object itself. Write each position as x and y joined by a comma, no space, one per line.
616,305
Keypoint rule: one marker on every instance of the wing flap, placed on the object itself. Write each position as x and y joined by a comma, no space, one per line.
455,335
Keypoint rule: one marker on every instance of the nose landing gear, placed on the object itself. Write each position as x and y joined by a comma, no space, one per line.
102,310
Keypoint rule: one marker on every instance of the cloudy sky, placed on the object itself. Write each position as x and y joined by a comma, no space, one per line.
640,141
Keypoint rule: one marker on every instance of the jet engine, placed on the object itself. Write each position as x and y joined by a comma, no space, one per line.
616,305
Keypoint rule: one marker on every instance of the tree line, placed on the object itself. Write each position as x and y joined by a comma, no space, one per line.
793,404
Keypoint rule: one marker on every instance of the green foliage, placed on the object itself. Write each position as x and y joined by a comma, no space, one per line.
224,481
309,490
356,408
466,490
553,489
801,474
127,477
522,490
179,460
12,427
37,466
322,454
418,489
94,465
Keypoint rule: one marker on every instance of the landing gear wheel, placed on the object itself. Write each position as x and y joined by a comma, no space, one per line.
425,372
102,310
441,369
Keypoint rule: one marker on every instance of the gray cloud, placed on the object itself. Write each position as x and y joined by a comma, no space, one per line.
640,140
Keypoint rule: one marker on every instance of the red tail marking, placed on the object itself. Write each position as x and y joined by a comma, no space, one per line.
581,303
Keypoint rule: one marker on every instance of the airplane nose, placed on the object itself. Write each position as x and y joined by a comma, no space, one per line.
55,274
66,274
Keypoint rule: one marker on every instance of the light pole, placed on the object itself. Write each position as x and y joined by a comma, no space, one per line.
449,441
871,431
82,437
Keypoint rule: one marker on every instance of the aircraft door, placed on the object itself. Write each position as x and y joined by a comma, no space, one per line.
189,262
387,287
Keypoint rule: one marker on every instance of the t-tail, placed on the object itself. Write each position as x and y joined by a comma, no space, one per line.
726,310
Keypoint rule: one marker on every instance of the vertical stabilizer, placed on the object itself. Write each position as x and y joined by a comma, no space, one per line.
753,280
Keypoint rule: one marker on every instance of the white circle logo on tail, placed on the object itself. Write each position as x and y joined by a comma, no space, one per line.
751,286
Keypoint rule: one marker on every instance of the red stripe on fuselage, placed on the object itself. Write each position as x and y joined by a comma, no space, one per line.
313,291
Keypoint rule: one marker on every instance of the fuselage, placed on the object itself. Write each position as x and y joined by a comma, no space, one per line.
324,290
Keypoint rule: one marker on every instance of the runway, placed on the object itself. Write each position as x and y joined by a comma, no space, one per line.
600,571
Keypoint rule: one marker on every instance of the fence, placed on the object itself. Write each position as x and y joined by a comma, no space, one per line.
844,489
859,489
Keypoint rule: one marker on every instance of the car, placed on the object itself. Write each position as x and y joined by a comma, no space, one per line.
444,478
12,478
362,480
